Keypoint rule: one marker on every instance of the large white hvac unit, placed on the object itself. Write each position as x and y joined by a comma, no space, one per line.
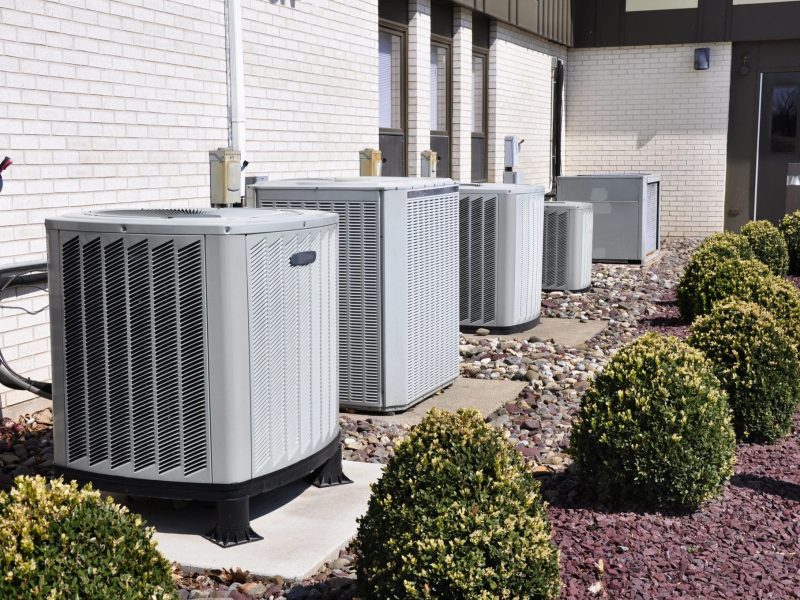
398,296
194,353
567,262
501,256
627,213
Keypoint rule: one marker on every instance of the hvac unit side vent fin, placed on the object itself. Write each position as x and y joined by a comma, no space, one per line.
135,373
432,320
359,296
478,247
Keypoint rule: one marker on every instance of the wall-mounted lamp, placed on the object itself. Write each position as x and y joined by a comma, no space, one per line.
702,59
744,68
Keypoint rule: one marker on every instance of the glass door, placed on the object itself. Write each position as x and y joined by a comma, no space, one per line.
440,105
392,100
778,142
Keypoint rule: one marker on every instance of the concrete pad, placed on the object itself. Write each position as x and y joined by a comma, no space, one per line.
567,332
485,395
303,527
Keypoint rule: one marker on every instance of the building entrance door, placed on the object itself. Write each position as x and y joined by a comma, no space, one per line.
778,142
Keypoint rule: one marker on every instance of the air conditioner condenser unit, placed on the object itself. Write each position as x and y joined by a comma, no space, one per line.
500,257
194,353
567,252
398,302
627,213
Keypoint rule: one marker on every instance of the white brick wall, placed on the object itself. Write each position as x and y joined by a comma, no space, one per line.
461,142
103,103
646,109
521,100
311,80
419,83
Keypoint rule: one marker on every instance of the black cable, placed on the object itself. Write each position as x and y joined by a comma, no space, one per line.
8,376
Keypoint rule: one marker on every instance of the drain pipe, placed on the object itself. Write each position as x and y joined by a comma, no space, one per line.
234,49
557,133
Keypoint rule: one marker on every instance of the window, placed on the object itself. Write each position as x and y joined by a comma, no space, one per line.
391,99
480,76
440,105
785,100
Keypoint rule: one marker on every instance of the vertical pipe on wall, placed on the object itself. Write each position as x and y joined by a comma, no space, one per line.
234,49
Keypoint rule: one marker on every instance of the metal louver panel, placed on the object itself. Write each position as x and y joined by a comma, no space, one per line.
528,291
555,263
478,258
135,354
432,270
651,231
292,316
360,373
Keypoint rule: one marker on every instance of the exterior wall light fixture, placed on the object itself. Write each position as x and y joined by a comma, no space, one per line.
702,59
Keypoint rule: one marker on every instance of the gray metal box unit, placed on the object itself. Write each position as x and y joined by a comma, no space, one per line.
398,302
501,256
194,349
567,262
627,213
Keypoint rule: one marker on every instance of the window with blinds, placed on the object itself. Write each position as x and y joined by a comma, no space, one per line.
391,99
480,77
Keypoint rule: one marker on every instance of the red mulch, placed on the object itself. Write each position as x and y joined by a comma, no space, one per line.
668,319
745,544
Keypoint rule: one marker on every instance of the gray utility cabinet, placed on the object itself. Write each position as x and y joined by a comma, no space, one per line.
398,275
627,213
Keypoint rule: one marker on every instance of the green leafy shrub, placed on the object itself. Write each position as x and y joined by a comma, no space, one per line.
62,542
714,250
757,364
655,428
457,514
768,245
750,280
790,228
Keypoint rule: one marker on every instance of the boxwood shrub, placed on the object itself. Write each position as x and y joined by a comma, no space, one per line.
714,250
655,428
757,363
457,514
751,280
790,228
768,245
62,542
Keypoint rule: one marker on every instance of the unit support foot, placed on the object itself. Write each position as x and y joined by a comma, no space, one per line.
330,473
233,524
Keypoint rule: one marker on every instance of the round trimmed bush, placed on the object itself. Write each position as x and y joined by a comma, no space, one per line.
714,250
62,542
757,364
751,280
655,427
768,245
456,514
790,228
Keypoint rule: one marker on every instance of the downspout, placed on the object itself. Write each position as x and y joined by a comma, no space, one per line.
557,134
234,49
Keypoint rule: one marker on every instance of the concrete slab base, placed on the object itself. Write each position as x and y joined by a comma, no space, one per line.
567,332
303,527
26,407
485,395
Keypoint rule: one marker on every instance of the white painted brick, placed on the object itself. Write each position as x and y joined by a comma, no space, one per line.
646,109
